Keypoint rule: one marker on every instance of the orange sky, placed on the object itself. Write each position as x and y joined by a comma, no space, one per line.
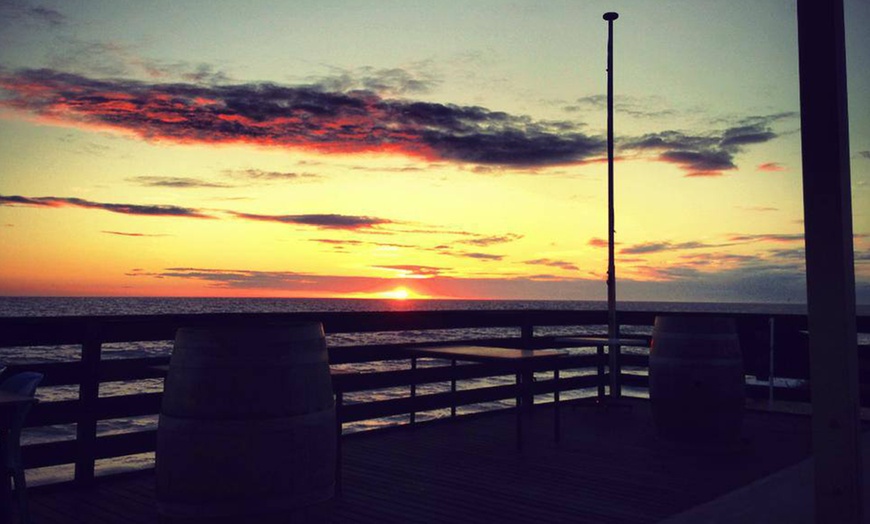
448,151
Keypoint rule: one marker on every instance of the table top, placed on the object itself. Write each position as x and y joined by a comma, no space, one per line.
485,353
603,341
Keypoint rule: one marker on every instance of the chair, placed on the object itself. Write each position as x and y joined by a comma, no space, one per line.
20,384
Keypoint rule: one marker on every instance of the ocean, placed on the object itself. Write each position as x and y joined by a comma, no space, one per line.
72,306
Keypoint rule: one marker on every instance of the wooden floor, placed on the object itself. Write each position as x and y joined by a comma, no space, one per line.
609,468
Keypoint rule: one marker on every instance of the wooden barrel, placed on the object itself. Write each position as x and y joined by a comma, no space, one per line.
696,379
247,426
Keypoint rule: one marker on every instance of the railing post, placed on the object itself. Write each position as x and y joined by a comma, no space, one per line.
527,333
601,382
528,377
413,389
770,374
453,388
89,393
615,364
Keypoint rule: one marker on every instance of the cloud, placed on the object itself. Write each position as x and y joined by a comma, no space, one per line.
708,154
779,238
410,270
701,163
639,107
322,221
478,256
232,279
127,209
598,242
658,247
450,251
304,118
20,12
561,264
175,182
485,241
122,234
259,174
864,154
761,209
771,167
385,82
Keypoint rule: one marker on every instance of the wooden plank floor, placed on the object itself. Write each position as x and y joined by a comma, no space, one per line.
609,468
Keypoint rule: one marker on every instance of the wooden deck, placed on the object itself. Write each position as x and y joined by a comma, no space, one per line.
608,468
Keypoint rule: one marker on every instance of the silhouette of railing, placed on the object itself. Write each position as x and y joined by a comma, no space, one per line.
786,354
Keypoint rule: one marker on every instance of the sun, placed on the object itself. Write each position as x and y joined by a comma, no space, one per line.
400,293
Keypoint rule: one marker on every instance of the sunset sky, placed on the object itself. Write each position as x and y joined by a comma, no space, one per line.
447,149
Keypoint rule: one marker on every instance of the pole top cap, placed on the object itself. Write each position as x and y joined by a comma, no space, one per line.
611,16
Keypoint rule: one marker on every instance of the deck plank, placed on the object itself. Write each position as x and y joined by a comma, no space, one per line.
609,468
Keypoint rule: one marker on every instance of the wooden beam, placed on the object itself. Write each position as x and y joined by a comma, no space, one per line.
830,261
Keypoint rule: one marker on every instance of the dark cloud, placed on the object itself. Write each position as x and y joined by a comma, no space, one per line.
20,12
796,237
740,136
598,242
789,254
334,242
561,264
305,118
450,251
708,154
175,182
701,163
322,221
485,241
478,256
127,209
122,234
234,279
864,154
47,15
657,247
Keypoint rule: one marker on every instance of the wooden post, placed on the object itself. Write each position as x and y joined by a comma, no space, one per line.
602,383
89,393
528,377
527,334
829,259
413,390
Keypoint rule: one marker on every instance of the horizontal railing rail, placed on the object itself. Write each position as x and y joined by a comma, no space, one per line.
529,329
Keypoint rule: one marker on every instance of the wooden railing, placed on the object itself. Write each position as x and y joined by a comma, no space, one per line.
527,329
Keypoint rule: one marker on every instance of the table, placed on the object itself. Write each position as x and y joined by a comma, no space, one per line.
613,361
10,403
520,360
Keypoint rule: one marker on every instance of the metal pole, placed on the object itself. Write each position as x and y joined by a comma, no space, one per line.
612,328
